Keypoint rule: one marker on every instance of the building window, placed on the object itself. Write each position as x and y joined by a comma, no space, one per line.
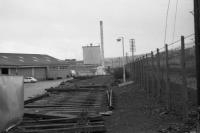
58,67
53,67
63,67
4,71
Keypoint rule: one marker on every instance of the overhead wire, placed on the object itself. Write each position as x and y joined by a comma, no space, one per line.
188,36
174,28
166,20
180,39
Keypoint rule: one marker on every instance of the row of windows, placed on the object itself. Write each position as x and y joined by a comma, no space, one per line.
58,67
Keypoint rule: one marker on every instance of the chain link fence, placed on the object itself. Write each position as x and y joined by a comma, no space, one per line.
168,75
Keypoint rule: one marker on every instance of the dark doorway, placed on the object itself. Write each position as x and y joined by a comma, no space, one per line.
4,71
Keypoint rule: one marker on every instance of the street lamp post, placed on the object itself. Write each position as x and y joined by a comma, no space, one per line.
124,74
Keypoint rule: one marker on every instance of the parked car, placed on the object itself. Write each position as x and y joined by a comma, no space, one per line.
30,80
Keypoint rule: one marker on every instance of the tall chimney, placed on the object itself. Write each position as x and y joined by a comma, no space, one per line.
102,47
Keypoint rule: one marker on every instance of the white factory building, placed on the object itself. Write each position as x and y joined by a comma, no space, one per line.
91,55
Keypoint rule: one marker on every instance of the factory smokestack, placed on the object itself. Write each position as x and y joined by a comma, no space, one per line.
102,45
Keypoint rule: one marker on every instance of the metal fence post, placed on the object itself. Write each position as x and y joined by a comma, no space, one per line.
184,81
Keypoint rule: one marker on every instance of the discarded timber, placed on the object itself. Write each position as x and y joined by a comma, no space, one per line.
59,120
89,128
72,90
36,98
93,86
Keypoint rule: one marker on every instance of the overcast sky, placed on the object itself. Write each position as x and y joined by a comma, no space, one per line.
61,27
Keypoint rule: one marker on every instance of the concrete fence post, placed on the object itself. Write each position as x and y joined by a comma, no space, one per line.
184,81
135,68
140,73
143,73
137,71
132,68
134,73
147,75
167,80
158,75
153,73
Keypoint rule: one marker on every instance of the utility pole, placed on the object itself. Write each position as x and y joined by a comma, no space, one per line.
197,53
197,45
132,47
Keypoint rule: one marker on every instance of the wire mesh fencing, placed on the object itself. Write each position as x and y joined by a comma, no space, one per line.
168,75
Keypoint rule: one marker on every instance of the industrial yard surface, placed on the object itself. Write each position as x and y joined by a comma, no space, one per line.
83,105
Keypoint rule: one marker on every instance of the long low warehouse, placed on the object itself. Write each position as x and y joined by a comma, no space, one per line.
42,67
39,66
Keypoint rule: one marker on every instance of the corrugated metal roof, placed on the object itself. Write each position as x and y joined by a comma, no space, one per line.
28,59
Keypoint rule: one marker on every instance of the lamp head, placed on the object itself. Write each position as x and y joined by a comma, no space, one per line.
118,39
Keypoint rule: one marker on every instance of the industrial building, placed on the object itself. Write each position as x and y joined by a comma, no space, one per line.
92,55
40,66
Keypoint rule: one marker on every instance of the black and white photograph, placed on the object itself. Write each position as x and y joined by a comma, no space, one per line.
99,66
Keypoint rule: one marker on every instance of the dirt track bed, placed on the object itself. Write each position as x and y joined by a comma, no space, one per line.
70,107
69,104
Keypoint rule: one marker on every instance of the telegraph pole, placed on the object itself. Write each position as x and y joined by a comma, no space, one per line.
197,45
132,49
197,53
